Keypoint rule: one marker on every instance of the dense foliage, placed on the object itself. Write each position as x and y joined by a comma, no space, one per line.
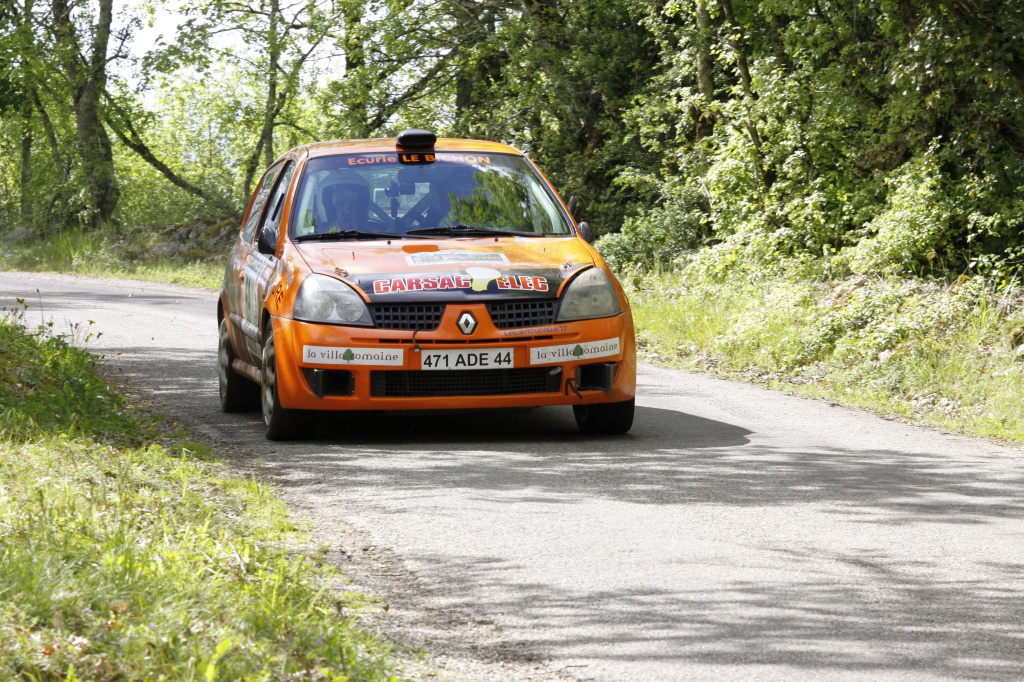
877,135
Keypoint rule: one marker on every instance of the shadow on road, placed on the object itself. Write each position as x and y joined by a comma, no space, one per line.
668,457
920,627
907,620
511,426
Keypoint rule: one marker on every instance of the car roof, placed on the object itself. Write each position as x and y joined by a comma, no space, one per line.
444,144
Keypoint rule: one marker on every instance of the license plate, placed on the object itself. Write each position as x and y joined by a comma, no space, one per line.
491,358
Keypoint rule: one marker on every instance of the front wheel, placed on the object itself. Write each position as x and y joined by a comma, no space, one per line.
280,423
605,418
237,394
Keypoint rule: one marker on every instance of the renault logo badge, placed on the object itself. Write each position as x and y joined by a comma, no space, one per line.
467,323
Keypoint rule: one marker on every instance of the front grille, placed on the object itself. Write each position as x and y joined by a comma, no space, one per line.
517,314
420,384
424,316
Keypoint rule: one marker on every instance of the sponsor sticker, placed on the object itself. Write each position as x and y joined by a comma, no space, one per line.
397,285
456,256
416,157
457,157
570,352
371,159
523,283
530,331
336,355
475,279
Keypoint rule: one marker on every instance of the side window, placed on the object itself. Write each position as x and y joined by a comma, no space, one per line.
275,207
259,199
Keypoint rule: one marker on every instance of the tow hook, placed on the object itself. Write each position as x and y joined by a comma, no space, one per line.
570,385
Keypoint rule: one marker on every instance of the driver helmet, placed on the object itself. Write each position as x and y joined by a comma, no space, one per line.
346,201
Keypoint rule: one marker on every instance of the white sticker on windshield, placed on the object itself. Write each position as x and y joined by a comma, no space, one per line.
456,256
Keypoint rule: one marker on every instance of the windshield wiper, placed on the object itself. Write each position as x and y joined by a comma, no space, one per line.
469,230
347,234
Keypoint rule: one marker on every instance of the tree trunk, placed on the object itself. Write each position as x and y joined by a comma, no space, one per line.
357,115
88,79
705,83
734,41
273,66
24,204
474,80
251,165
62,164
24,207
120,122
96,156
764,180
908,15
777,48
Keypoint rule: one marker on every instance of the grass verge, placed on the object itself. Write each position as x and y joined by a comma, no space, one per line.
124,559
173,255
947,354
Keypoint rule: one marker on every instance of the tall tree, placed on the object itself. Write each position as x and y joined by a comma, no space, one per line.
16,41
287,36
86,73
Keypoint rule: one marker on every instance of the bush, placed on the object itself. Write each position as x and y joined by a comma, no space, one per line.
658,236
909,233
945,353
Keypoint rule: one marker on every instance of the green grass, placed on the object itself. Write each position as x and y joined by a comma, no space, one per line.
946,354
121,558
132,256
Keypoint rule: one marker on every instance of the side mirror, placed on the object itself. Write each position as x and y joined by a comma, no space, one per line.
266,242
586,232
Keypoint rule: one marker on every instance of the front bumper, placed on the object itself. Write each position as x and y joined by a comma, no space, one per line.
327,367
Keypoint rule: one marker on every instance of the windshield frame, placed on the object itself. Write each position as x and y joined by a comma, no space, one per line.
520,167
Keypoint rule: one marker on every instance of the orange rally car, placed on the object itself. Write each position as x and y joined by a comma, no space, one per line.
418,273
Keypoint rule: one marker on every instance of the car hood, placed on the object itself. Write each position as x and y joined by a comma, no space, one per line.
452,270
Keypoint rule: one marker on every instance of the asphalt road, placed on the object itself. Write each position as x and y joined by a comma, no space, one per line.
734,534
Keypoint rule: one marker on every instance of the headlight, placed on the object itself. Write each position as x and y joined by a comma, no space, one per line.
590,295
325,299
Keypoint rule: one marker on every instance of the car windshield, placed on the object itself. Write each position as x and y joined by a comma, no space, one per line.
470,193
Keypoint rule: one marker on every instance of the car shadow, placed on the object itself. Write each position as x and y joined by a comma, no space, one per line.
669,455
505,426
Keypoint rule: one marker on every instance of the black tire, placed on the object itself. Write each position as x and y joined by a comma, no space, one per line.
237,393
280,423
607,419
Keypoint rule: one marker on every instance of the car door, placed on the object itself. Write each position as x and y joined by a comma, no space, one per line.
260,266
234,283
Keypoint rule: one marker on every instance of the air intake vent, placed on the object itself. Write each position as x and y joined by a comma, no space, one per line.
518,314
418,384
425,316
329,381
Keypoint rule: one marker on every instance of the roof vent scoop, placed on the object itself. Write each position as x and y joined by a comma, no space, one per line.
416,139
